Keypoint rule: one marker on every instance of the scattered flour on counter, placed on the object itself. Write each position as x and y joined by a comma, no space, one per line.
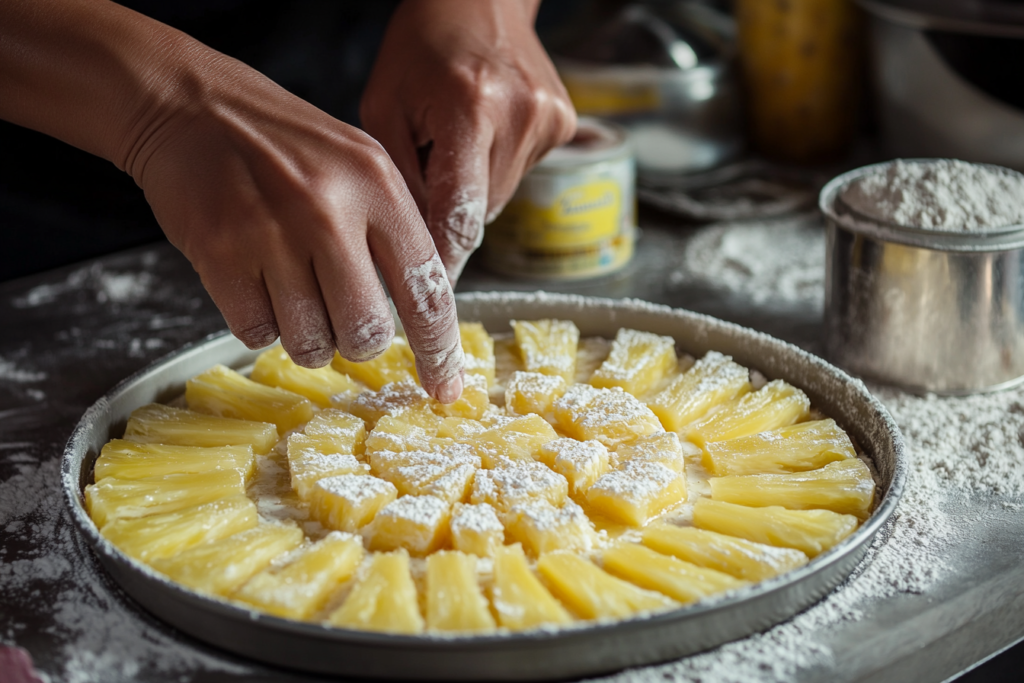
106,286
10,372
940,194
779,261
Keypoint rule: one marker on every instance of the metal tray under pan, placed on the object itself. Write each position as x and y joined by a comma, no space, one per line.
587,650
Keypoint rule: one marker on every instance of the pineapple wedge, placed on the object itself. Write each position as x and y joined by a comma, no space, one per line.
460,428
592,593
222,566
472,403
541,527
455,602
637,493
275,368
580,462
110,498
517,484
516,440
670,576
312,458
129,460
774,405
712,380
159,536
610,416
590,353
478,348
403,433
810,531
845,487
301,588
419,524
395,399
349,501
519,599
533,392
223,392
155,423
734,556
397,364
663,448
346,432
797,448
548,346
416,473
384,600
638,362
476,529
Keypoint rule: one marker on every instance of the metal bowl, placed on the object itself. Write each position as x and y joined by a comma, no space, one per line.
591,649
924,310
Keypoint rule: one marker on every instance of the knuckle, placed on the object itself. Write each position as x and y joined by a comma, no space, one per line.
313,352
364,339
255,334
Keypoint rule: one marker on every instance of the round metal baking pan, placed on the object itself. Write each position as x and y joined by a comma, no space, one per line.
591,649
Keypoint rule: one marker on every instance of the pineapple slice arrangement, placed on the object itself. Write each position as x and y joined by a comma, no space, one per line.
574,480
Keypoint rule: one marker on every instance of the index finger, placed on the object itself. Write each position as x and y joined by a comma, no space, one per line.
419,287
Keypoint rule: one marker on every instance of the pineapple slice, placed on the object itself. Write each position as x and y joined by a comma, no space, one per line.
418,524
516,484
383,461
516,440
580,462
460,428
129,460
810,531
734,556
478,348
110,498
155,423
275,368
222,566
533,392
301,588
455,602
675,578
712,380
312,458
548,346
610,416
541,527
223,392
774,405
349,501
592,593
384,600
845,487
797,448
397,364
403,433
636,493
346,431
519,599
159,536
394,399
638,362
472,403
663,448
476,529
441,475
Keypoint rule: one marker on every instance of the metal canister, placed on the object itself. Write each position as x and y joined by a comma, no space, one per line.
573,215
925,310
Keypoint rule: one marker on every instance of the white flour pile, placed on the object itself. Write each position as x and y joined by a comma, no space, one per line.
940,194
779,262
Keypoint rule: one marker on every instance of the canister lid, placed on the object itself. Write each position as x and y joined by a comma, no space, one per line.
595,141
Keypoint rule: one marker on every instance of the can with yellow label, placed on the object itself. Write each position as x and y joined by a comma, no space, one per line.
574,214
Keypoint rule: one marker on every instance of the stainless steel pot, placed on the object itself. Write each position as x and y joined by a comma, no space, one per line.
924,310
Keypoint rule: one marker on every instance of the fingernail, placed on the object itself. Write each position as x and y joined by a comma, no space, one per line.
450,391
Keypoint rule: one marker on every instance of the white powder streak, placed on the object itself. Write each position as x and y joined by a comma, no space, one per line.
437,357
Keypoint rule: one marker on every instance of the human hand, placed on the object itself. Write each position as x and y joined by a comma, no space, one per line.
283,211
469,81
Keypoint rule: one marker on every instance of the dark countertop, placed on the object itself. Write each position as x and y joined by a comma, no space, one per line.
69,335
